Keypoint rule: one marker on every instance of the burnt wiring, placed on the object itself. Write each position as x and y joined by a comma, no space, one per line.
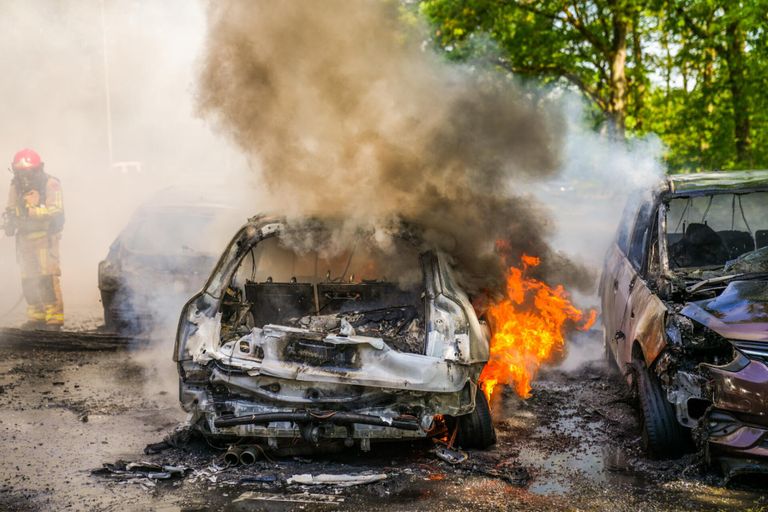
682,215
743,216
706,211
324,416
340,279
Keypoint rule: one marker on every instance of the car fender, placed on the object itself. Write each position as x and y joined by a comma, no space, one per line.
648,314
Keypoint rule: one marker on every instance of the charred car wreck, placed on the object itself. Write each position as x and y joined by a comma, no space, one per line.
685,311
347,345
159,259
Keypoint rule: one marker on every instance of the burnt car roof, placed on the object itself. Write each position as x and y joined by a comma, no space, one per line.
719,181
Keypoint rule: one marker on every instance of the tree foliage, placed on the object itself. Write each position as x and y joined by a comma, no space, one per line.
692,71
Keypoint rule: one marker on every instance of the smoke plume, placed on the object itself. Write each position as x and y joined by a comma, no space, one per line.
348,116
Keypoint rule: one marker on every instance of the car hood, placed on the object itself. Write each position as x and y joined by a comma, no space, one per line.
740,312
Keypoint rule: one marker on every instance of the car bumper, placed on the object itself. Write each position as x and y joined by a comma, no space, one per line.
253,420
313,410
730,436
738,421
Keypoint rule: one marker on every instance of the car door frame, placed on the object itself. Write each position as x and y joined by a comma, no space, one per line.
609,280
632,312
645,316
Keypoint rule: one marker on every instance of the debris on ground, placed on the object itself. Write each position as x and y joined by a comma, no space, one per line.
345,480
209,473
122,470
178,437
514,475
450,455
289,498
259,479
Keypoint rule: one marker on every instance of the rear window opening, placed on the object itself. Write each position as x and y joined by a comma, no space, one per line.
377,291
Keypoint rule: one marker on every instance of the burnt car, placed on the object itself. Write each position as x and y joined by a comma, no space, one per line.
685,313
163,255
298,336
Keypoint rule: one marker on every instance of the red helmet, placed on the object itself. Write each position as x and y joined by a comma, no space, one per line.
26,160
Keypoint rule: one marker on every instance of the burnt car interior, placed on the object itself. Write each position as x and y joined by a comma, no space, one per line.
710,230
279,285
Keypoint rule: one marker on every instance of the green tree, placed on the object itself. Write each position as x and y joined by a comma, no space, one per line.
720,42
595,46
693,71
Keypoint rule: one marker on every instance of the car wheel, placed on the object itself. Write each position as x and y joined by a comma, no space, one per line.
476,428
662,435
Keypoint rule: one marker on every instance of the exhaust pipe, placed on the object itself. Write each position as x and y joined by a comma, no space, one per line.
232,457
249,456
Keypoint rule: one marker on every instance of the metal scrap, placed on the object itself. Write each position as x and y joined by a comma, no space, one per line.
179,436
122,470
342,480
289,498
450,455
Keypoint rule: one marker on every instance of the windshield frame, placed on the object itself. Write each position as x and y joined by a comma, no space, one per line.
662,223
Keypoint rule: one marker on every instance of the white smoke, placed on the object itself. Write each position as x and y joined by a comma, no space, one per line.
54,91
598,176
60,59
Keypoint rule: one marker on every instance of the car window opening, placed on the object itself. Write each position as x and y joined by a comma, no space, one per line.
712,230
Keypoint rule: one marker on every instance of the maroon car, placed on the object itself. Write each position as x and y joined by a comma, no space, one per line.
685,313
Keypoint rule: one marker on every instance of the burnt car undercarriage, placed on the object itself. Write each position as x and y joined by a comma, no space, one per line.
315,355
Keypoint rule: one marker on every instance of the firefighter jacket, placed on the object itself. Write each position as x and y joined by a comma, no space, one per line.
37,206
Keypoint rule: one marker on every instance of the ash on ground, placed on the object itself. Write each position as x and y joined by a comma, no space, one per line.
573,445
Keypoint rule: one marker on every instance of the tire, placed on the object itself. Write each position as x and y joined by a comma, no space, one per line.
476,428
662,435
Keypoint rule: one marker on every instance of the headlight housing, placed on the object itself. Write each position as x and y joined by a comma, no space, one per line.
703,344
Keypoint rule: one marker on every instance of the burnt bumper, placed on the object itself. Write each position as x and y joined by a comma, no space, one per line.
730,435
738,420
319,417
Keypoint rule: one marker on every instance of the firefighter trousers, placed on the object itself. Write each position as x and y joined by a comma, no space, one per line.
38,257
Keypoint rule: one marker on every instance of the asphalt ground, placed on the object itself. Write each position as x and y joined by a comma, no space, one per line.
574,445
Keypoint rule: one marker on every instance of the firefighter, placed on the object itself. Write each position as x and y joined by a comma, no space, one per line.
35,214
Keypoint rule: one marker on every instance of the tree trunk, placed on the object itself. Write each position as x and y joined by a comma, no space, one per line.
639,73
618,79
707,92
736,84
668,78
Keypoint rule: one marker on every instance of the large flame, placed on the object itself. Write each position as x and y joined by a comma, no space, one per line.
528,329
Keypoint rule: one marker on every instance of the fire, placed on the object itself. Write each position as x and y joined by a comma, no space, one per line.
528,329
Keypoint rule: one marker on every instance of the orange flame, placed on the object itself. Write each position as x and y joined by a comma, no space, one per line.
528,330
